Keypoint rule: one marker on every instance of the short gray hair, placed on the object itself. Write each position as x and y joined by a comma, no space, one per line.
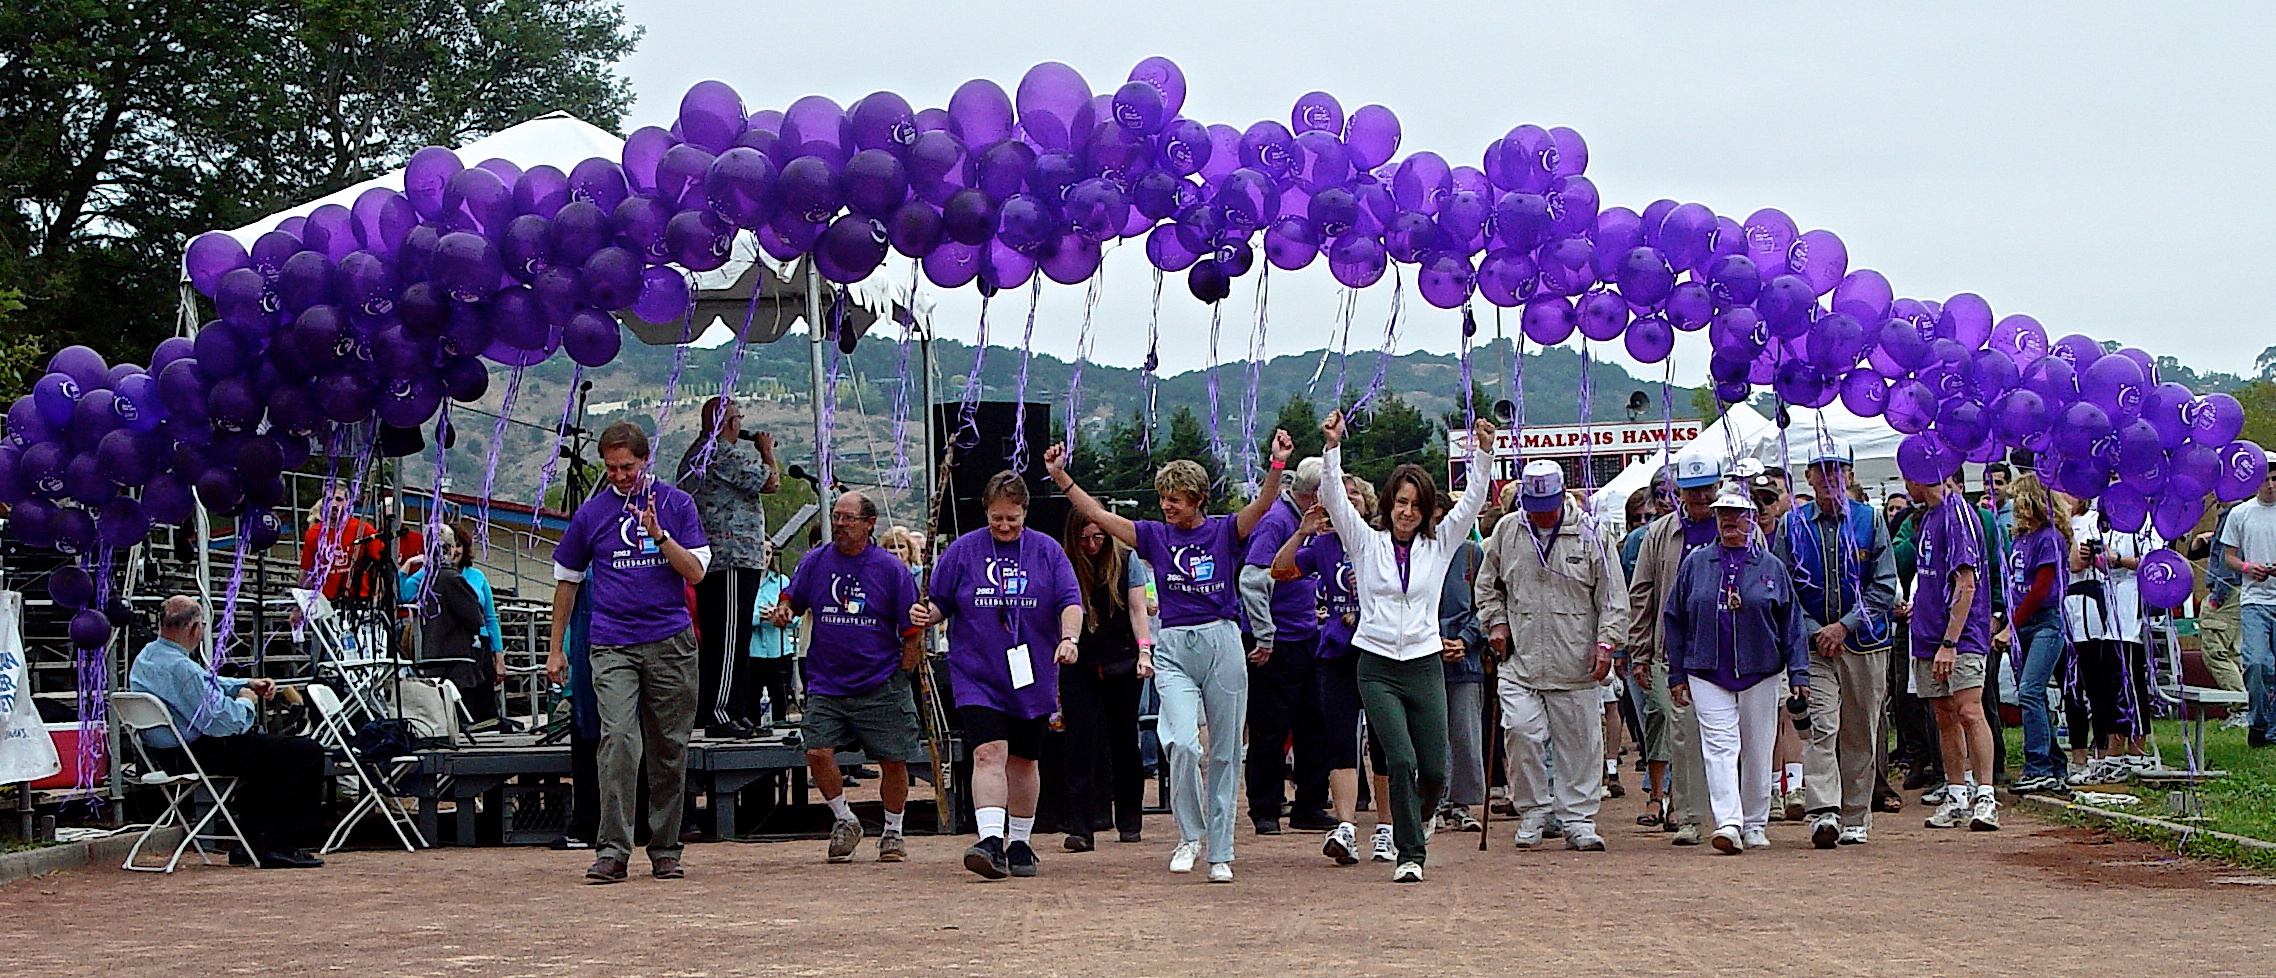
1307,475
180,611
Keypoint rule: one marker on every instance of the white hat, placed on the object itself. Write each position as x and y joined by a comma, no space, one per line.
1748,468
1833,450
1691,473
1734,496
1542,486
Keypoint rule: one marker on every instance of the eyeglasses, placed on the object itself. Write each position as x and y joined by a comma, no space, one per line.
836,518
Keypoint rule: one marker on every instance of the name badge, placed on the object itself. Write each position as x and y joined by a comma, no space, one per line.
1023,669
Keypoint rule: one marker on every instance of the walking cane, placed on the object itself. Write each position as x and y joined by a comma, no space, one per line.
1493,726
946,814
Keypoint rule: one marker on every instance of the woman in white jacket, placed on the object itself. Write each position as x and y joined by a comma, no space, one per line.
1401,569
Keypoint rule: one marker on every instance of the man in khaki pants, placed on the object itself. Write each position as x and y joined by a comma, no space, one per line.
1668,540
1554,602
1845,578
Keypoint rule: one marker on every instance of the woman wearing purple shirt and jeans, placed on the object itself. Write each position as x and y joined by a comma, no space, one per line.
1733,621
1200,669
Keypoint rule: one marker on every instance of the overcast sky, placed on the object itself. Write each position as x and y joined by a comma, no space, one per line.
2104,167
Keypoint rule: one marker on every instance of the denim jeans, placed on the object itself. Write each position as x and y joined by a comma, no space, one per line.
2258,642
2041,641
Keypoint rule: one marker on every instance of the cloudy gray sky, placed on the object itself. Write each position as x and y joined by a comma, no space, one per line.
2102,166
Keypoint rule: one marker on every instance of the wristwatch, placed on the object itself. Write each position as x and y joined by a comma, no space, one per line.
1948,644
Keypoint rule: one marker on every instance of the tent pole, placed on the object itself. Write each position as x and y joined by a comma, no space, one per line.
814,342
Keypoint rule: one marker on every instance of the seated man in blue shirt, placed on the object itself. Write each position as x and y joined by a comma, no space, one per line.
281,779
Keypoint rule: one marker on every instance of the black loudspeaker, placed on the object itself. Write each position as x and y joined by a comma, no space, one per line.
984,447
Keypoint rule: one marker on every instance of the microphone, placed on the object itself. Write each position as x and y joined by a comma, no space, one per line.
799,472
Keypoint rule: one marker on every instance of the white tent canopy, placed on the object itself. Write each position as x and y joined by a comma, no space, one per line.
1739,427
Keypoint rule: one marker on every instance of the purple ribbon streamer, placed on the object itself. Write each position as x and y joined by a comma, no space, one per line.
899,478
552,464
434,520
228,626
1019,398
1588,415
825,450
1350,308
967,413
490,467
1256,376
93,669
679,364
727,381
1083,340
1390,343
1469,403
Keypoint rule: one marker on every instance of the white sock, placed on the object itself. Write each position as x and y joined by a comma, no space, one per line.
1985,791
991,822
840,808
1793,776
1022,828
893,822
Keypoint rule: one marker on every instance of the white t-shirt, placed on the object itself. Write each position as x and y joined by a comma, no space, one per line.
2252,534
2121,611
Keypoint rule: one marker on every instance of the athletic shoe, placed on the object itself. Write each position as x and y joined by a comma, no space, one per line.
845,836
1986,816
1934,796
1688,835
1825,830
1852,835
667,868
1407,873
1554,830
1777,805
1458,818
1342,845
1220,872
891,848
1078,843
1726,841
1582,840
1266,826
1794,805
1950,814
1311,820
987,859
1021,856
2029,786
1529,829
1755,839
1382,849
1612,788
1181,858
2238,720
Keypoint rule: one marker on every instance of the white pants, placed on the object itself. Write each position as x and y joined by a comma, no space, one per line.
1736,734
1565,726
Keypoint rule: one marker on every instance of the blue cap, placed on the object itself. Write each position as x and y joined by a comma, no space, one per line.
1691,473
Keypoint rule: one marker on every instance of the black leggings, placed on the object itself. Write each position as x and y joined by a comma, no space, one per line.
723,644
2113,682
1101,716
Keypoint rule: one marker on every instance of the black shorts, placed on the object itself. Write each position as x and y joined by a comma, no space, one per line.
1021,737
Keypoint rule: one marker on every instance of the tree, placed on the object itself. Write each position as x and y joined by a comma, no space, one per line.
2259,400
2266,363
1301,419
132,124
1389,434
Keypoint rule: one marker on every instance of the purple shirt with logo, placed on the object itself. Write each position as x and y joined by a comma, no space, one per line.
998,596
1339,591
1194,570
1951,537
1295,604
2042,547
860,607
637,596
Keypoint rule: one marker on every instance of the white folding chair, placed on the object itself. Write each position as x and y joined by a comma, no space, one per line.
341,657
375,783
140,712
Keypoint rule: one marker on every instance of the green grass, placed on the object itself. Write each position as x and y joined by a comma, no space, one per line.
2243,803
20,845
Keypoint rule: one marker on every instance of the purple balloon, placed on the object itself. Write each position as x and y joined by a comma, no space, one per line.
850,249
1164,76
2126,507
1138,108
475,199
1316,112
1446,280
1002,268
591,338
2166,579
1357,260
210,256
875,182
980,113
1291,242
1864,393
1507,277
952,265
1372,136
743,187
2243,467
1549,319
696,241
2078,351
1864,294
1052,99
1818,258
467,266
2163,407
2115,384
56,395
2081,425
711,115
82,365
1650,339
612,278
424,177
1925,459
2215,420
1912,407
89,629
1601,315
1072,259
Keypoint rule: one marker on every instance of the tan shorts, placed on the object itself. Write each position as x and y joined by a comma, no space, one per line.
1967,673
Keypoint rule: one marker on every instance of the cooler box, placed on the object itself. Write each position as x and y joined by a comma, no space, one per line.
66,737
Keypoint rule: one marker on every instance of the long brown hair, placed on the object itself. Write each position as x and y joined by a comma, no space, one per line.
1426,491
2037,508
1089,571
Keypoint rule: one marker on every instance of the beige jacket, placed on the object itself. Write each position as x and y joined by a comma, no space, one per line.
1556,610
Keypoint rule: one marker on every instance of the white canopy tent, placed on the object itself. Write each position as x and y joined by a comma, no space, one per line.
1871,440
1740,426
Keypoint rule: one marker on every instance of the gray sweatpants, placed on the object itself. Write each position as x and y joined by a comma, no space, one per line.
1687,765
1203,680
647,699
1564,727
1842,756
1465,743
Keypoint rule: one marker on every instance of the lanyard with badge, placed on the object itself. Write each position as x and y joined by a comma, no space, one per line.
1016,658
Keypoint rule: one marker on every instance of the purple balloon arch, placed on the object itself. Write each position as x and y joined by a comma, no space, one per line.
386,308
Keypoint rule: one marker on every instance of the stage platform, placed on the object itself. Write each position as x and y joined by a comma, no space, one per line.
522,788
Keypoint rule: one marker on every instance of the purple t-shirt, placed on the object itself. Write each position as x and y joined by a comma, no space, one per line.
1951,537
997,596
2042,547
860,607
1339,591
1295,604
637,596
1194,570
1696,534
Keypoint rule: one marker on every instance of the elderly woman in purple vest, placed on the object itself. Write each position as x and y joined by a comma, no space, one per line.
1733,623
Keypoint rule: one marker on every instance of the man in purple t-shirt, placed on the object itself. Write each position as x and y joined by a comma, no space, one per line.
1284,701
1198,661
639,545
857,669
1951,635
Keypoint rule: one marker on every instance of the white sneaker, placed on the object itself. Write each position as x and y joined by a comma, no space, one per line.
1529,829
2238,720
1342,845
1181,858
1726,841
1220,872
1383,849
1407,873
1825,830
1852,835
1688,835
1951,814
1755,839
1583,840
1794,802
1985,818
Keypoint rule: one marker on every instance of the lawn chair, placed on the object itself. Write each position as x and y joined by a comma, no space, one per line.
376,779
142,711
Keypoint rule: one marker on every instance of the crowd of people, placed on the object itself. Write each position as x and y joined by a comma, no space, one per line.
1758,641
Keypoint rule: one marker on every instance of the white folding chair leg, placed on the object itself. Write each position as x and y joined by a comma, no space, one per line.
172,816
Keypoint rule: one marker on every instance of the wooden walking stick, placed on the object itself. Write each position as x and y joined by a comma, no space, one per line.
945,809
1493,726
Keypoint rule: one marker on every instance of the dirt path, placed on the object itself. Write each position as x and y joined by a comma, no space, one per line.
2031,900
